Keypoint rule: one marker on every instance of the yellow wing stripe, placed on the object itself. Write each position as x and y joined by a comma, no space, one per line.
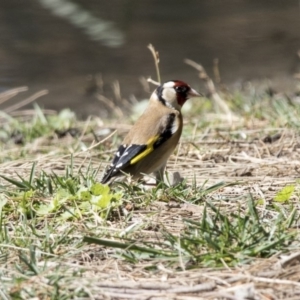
147,151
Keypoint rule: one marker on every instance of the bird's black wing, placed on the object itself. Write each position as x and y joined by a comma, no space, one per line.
122,159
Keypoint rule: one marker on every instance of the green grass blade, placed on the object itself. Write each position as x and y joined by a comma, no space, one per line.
18,184
125,246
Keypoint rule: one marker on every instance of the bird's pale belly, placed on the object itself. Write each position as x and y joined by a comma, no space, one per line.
153,162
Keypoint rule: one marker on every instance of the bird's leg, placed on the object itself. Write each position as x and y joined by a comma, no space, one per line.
159,174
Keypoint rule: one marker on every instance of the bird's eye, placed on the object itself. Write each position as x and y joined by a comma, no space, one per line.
181,89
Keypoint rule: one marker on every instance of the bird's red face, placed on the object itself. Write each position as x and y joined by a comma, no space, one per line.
175,93
184,92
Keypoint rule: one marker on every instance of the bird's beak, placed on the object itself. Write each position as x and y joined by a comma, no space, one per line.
192,93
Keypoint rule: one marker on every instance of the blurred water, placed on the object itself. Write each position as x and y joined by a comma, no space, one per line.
61,45
95,28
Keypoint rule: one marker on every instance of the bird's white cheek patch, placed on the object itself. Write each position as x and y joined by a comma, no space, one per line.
169,94
169,84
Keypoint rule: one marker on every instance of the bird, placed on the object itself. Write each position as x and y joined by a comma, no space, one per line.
153,138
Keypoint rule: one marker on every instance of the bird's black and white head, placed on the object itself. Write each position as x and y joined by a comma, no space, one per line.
174,93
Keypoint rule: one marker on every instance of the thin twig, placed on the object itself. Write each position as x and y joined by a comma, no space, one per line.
156,61
216,70
211,89
4,96
26,101
110,104
153,82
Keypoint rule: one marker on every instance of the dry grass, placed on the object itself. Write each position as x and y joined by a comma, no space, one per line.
254,156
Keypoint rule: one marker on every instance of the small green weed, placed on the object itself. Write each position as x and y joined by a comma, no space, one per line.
69,196
236,238
217,238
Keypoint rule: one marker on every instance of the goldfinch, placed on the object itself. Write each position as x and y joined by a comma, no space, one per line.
154,136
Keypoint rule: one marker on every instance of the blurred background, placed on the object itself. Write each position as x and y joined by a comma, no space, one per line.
78,48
